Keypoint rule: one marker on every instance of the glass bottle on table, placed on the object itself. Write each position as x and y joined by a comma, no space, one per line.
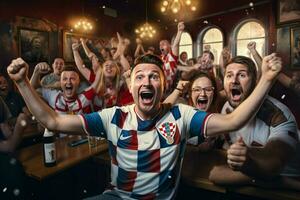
49,148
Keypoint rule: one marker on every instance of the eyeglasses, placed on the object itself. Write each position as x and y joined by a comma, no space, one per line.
207,90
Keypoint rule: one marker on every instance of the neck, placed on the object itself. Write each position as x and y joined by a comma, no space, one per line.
147,116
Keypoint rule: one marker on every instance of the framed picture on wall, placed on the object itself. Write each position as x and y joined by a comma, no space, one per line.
295,47
288,11
33,45
95,44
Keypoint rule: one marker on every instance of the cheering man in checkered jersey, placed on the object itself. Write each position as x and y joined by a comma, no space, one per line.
146,139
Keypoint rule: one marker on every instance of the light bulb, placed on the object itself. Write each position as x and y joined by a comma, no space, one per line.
188,2
163,9
165,3
175,6
193,8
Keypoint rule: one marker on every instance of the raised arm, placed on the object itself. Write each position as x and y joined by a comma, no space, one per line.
79,62
175,45
122,45
40,68
17,71
177,92
139,48
258,59
219,123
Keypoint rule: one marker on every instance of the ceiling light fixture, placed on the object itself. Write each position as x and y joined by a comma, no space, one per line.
177,6
146,31
83,24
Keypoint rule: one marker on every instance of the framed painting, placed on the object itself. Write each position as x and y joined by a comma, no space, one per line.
93,43
288,11
33,45
295,47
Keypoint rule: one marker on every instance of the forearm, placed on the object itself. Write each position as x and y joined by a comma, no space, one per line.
175,46
80,65
258,60
172,98
223,175
36,105
124,62
98,84
87,50
35,80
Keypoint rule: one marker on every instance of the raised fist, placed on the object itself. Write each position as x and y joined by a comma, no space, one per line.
17,70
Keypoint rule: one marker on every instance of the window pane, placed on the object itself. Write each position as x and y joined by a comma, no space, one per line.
186,44
188,49
213,35
242,49
251,30
215,48
185,39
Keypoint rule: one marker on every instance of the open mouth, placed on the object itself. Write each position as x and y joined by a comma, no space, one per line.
69,89
236,94
202,103
147,97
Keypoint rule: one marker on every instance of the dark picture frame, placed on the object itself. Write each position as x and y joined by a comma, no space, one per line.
33,45
295,47
95,44
288,11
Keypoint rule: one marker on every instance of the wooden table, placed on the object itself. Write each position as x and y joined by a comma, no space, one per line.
197,165
196,168
32,157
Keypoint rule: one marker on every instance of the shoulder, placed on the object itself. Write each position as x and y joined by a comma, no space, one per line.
274,113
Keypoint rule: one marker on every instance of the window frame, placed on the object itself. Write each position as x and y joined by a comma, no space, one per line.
237,29
201,37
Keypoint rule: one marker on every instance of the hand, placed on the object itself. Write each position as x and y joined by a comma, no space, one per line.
138,41
75,46
122,44
18,70
127,74
42,68
237,155
271,66
251,46
83,40
183,85
180,27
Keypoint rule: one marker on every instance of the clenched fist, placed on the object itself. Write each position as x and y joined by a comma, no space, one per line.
18,70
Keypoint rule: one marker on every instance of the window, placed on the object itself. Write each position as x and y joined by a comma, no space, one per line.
212,41
186,44
250,31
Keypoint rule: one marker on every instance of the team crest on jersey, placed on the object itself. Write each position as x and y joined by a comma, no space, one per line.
168,130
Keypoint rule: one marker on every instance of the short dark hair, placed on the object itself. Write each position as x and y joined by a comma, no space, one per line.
248,62
70,68
149,59
211,55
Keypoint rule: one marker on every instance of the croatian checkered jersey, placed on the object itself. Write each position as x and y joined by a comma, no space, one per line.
81,104
146,155
170,69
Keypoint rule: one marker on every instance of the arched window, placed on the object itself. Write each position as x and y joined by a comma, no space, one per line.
212,39
247,31
186,44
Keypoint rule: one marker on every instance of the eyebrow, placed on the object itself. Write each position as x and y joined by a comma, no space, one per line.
154,71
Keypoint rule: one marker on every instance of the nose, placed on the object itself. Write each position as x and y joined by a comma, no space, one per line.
146,81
